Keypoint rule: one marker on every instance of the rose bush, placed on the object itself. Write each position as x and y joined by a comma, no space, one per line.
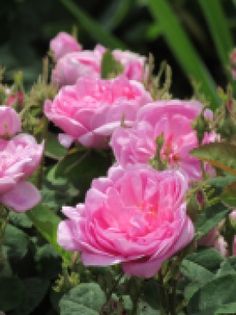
146,184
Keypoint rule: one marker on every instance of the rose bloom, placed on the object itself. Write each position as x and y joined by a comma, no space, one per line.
19,158
62,44
10,123
171,119
90,110
134,64
75,65
136,217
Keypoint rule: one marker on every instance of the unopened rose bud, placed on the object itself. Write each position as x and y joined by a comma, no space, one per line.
63,44
232,218
234,246
221,245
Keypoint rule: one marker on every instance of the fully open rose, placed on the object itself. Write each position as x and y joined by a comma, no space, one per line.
89,111
135,217
171,119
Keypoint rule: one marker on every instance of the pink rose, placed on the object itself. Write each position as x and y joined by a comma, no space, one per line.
134,64
19,158
171,119
10,122
62,44
76,65
136,217
90,110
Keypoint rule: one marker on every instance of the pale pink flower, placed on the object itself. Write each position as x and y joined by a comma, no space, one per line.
10,123
75,65
62,44
136,217
171,119
19,158
134,64
89,111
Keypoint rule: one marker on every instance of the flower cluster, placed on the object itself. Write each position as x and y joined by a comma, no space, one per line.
137,214
20,156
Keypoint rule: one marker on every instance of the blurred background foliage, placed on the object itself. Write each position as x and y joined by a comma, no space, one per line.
194,36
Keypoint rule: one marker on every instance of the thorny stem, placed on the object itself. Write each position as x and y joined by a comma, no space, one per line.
163,305
109,294
3,223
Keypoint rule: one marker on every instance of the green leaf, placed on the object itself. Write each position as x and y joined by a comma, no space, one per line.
12,293
151,291
226,309
220,155
190,289
218,25
110,66
86,298
229,195
47,262
20,220
208,258
145,309
46,222
93,28
116,13
195,272
210,218
36,289
221,181
80,168
53,148
213,295
16,241
225,269
182,48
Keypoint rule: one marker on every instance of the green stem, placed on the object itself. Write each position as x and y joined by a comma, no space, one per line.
3,224
164,300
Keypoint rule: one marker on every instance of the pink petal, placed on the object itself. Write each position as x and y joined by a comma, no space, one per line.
142,269
22,197
65,140
65,236
90,259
